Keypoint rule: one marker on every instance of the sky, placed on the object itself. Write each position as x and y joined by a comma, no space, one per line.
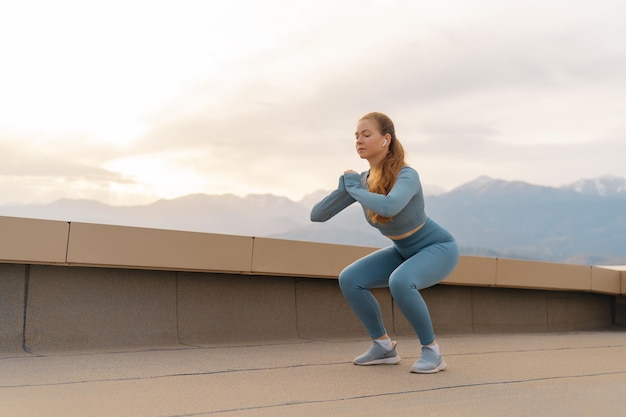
128,102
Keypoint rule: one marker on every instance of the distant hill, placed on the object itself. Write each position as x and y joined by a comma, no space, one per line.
253,215
517,219
583,222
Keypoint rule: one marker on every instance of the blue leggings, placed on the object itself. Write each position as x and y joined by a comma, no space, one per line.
409,265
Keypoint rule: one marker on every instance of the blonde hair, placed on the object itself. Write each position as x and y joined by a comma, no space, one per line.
392,164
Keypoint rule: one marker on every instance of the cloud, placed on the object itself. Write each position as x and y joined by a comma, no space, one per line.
509,90
50,168
73,158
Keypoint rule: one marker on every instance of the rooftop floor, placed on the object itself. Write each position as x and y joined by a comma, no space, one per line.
573,374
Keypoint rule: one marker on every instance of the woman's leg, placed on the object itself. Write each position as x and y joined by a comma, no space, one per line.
356,280
422,270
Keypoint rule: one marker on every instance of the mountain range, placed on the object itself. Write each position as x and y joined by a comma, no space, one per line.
583,222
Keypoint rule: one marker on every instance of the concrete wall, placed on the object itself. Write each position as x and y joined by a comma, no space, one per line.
76,286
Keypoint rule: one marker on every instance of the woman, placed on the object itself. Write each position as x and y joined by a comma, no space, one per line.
422,253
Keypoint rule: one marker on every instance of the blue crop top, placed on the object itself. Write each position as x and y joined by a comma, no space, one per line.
404,203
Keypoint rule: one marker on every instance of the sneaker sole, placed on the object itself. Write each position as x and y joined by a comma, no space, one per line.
442,366
385,361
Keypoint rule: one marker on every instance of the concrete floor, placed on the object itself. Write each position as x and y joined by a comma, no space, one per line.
569,374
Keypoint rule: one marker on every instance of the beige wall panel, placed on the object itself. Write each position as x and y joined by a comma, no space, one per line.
605,280
12,284
93,244
81,308
570,311
474,270
542,275
622,282
303,259
509,310
323,313
32,240
217,309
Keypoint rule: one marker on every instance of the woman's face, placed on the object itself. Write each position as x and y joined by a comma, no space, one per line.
370,142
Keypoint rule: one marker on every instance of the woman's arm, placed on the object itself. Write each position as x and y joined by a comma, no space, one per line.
332,204
407,185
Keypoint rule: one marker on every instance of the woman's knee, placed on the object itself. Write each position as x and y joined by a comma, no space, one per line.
399,283
347,279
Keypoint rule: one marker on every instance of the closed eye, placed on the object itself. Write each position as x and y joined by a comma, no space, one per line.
365,133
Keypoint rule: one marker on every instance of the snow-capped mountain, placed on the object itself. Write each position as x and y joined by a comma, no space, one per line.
607,185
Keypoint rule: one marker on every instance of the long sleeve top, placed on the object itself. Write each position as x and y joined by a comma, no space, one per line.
404,203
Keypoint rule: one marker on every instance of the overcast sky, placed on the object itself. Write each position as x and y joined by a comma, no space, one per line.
130,101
